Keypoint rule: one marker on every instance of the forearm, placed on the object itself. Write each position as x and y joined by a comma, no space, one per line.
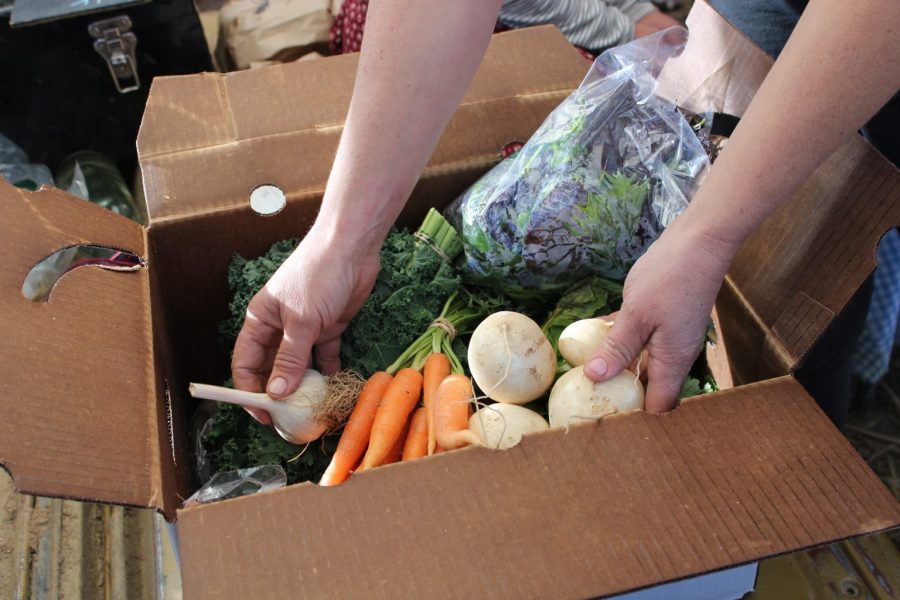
839,66
417,60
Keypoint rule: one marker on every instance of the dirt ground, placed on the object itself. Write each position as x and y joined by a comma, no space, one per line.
68,550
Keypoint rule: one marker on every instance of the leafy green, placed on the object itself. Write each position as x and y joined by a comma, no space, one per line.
693,387
612,209
412,287
587,194
593,297
245,278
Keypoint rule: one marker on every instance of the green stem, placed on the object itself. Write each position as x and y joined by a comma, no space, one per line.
464,312
441,233
408,355
455,364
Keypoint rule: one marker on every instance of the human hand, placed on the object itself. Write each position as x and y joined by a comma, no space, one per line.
667,300
308,302
653,22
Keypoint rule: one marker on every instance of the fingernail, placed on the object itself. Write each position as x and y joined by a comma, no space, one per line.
598,367
278,386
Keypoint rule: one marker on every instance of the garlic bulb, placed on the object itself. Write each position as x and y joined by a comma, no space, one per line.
297,418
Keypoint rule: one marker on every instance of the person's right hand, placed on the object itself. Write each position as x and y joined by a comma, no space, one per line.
307,303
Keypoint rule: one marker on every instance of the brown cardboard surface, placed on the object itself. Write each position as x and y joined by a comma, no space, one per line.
207,141
76,372
603,508
805,262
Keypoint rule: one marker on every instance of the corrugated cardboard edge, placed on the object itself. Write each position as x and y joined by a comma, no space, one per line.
604,508
77,372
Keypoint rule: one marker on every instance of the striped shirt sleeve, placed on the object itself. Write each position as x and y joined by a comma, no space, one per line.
589,24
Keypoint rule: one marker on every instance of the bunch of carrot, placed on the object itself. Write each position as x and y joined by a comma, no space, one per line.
388,425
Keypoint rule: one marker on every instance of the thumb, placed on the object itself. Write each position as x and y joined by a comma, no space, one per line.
290,363
621,347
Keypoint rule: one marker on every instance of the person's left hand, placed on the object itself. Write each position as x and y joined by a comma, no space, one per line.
667,301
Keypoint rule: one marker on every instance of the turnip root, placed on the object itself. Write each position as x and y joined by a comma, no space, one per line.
503,425
511,359
582,339
575,398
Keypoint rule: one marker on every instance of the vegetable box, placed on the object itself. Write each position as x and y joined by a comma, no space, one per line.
93,383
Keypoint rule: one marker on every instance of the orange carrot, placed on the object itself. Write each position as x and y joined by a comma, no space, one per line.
399,400
356,433
451,413
436,369
396,452
416,444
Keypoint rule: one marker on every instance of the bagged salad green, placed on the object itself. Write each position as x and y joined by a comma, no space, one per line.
595,185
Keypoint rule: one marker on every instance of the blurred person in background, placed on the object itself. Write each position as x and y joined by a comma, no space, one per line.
591,25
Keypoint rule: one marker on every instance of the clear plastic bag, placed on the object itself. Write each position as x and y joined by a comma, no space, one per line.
10,153
595,185
243,482
14,167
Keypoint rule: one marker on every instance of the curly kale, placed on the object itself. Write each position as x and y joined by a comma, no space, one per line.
411,289
409,293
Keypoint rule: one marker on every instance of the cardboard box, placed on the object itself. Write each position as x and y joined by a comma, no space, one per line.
93,383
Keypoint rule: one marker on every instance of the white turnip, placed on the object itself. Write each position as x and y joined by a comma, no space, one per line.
576,399
511,359
503,425
582,339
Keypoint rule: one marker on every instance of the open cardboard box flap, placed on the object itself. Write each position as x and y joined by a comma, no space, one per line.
628,502
805,262
281,125
77,384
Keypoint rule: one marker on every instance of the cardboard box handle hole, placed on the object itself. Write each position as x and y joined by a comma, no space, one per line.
267,200
42,277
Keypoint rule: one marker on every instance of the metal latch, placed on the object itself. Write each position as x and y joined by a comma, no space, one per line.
116,45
